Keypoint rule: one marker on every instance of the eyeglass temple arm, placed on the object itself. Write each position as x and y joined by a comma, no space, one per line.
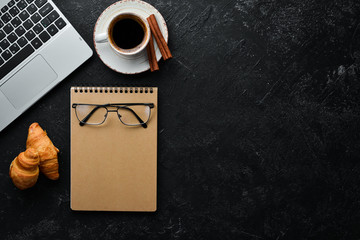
144,125
151,105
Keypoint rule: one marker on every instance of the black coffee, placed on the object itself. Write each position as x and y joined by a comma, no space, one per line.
127,33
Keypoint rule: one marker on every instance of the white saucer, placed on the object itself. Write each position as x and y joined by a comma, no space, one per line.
129,64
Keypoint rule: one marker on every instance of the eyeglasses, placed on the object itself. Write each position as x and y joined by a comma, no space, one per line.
130,114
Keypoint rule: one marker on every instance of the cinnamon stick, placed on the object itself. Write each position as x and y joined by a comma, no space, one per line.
164,49
152,55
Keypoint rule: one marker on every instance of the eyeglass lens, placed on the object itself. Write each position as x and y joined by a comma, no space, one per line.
97,114
129,118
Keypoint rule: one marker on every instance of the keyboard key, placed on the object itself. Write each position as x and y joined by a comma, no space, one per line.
36,43
31,9
24,15
45,9
16,22
39,3
22,41
21,5
2,34
6,55
44,36
16,60
29,1
12,37
6,18
35,18
60,23
53,16
38,28
11,3
1,23
8,28
4,9
52,29
1,61
45,22
28,24
30,35
14,48
14,11
20,31
4,44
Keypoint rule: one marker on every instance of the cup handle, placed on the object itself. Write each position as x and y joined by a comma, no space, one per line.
101,38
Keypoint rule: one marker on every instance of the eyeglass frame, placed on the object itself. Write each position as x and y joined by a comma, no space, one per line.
116,105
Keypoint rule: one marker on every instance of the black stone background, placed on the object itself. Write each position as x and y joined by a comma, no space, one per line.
259,133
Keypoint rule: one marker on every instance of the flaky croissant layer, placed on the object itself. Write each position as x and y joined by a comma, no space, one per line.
24,169
48,153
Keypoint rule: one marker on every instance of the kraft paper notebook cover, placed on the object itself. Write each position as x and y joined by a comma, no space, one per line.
113,166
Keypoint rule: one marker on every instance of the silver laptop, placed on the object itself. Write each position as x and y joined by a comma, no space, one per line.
38,49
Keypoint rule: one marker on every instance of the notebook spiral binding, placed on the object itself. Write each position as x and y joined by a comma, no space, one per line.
113,90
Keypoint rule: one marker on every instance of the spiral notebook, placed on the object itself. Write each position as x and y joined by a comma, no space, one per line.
113,166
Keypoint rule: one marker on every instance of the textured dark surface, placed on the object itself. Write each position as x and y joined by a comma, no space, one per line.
259,133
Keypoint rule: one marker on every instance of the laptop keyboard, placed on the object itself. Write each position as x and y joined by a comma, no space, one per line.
25,25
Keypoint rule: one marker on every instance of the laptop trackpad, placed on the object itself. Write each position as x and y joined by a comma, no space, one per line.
28,82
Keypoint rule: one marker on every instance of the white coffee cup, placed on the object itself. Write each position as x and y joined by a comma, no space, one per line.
107,37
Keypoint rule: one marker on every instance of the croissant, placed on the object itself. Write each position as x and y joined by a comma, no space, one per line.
38,139
24,169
